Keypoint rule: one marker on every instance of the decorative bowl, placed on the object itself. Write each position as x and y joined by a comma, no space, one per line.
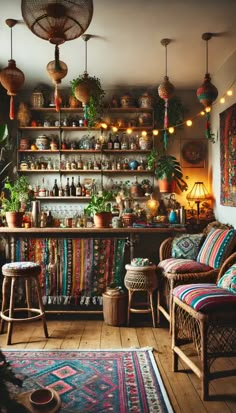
41,397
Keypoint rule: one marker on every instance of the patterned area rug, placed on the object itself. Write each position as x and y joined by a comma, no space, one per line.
95,381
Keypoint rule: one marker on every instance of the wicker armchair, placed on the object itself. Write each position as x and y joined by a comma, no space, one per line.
203,318
176,271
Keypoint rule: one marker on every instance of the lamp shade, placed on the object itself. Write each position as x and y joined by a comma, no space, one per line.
207,92
198,193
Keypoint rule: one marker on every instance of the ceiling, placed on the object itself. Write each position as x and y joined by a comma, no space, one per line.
125,50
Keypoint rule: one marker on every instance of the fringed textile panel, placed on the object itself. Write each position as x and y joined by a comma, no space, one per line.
74,271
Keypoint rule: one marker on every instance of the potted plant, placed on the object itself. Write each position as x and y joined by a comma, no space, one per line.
168,172
88,90
14,201
100,208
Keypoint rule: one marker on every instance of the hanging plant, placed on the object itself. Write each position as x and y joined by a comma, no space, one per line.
88,90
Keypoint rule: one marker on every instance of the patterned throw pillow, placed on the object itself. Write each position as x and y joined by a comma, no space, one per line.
186,246
228,280
217,246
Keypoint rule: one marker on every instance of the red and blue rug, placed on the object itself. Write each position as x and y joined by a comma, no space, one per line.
122,381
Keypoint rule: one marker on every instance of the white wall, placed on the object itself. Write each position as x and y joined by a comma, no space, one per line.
223,81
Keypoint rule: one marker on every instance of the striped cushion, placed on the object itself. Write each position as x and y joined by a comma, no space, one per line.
216,247
205,297
228,280
182,266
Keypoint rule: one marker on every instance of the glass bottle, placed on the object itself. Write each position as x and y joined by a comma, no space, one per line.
110,142
67,188
116,144
72,187
55,189
78,188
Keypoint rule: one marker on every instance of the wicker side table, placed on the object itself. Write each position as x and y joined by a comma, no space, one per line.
141,279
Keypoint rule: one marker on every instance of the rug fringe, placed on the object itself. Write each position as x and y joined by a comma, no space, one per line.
80,350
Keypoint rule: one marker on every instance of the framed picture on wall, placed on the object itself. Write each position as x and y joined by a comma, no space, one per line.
193,153
228,156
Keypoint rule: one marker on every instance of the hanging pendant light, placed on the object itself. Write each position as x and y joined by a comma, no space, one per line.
207,92
57,70
166,91
11,77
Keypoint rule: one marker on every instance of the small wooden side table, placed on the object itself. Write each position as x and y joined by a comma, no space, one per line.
141,279
53,407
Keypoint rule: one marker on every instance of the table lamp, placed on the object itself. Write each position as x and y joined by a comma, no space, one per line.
198,194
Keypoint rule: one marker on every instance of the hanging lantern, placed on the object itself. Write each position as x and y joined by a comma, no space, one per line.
207,92
57,70
166,91
11,77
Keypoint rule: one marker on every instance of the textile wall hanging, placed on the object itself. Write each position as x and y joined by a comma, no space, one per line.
75,271
228,156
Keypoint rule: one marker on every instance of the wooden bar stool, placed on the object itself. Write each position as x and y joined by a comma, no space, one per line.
14,272
141,279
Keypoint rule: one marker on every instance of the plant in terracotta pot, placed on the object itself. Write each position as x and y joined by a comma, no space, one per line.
14,200
88,90
169,172
100,208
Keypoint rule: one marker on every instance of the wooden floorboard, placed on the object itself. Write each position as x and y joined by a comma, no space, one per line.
182,387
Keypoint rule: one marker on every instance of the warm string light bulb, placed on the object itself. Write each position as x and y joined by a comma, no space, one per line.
171,130
222,100
129,131
207,109
229,92
114,128
144,133
155,132
189,122
202,113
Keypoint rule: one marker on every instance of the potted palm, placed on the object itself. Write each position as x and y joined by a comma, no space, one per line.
169,174
14,201
100,208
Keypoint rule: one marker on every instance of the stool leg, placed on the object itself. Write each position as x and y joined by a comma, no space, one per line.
152,309
129,305
11,311
28,296
4,302
41,306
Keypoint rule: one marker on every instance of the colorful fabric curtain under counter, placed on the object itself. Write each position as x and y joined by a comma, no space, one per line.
75,271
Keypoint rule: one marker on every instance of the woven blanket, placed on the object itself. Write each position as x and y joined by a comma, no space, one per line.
122,381
74,271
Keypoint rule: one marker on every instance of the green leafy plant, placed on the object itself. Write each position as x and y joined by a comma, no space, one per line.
151,159
96,92
167,166
16,194
5,148
99,203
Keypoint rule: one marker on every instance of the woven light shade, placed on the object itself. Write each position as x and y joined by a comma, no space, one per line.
57,20
166,90
207,92
57,70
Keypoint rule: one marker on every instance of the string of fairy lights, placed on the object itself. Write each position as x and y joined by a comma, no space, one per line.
187,122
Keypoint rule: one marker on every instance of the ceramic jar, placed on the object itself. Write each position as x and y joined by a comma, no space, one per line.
37,99
145,142
127,101
42,142
145,101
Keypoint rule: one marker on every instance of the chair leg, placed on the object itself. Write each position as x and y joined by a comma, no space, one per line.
11,311
152,308
41,306
28,296
175,357
204,361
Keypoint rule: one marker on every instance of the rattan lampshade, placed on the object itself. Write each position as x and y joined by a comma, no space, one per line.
57,20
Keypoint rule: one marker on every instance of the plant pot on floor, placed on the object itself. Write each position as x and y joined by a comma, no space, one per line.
14,219
102,219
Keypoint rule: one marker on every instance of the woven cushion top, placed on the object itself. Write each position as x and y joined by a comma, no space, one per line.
24,265
186,246
217,246
182,266
205,297
228,280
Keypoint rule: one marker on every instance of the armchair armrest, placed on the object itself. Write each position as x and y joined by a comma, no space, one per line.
165,248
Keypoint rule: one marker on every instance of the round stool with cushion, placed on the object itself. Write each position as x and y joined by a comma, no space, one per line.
141,279
13,272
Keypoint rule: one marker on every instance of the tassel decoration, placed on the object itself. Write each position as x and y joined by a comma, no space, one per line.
57,99
12,109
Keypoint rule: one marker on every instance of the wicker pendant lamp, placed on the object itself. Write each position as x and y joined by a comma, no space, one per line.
11,77
166,91
207,92
57,70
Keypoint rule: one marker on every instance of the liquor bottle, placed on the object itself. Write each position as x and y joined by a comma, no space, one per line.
67,188
83,190
78,188
110,142
116,144
72,187
55,189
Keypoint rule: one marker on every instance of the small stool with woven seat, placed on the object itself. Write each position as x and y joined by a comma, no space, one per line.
14,272
141,279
